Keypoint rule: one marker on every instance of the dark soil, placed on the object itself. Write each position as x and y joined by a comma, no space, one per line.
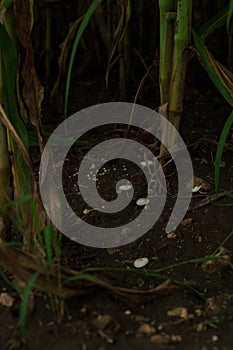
200,317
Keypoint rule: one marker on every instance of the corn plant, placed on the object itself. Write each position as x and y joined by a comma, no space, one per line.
15,29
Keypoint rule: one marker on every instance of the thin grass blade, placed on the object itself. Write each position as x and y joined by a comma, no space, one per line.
214,23
78,37
220,148
24,304
229,15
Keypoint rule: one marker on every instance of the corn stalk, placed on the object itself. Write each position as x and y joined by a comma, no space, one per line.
175,36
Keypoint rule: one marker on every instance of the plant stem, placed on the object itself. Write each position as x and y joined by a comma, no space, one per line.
167,11
179,62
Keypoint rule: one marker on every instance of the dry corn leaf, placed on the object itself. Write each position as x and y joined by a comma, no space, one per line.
218,265
33,91
181,312
23,264
147,329
6,299
106,326
160,338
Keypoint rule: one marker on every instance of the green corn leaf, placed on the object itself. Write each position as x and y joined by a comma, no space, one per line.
221,78
78,37
10,244
5,4
220,149
214,23
229,16
9,61
222,243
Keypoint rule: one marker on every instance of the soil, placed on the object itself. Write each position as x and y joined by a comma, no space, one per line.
196,315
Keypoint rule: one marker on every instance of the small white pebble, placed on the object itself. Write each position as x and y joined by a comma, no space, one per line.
146,163
196,189
125,187
110,340
141,262
127,312
214,338
87,211
142,201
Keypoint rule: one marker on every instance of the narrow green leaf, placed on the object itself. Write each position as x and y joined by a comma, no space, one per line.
5,4
9,71
8,281
229,16
78,37
220,149
48,246
24,304
10,244
214,71
214,23
222,243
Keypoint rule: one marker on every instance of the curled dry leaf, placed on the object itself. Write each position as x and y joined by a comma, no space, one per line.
216,266
160,338
171,235
23,264
199,182
147,329
106,326
219,304
6,299
181,312
186,222
33,91
165,338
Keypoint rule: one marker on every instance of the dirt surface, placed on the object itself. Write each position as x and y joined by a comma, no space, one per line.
197,314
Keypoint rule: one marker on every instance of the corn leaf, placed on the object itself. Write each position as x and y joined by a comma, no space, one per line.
214,23
221,77
220,149
9,71
229,15
78,37
5,4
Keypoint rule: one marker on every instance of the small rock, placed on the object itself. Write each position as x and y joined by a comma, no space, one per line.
141,262
142,201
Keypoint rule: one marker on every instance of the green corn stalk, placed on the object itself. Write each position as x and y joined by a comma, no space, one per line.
179,61
175,36
167,16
